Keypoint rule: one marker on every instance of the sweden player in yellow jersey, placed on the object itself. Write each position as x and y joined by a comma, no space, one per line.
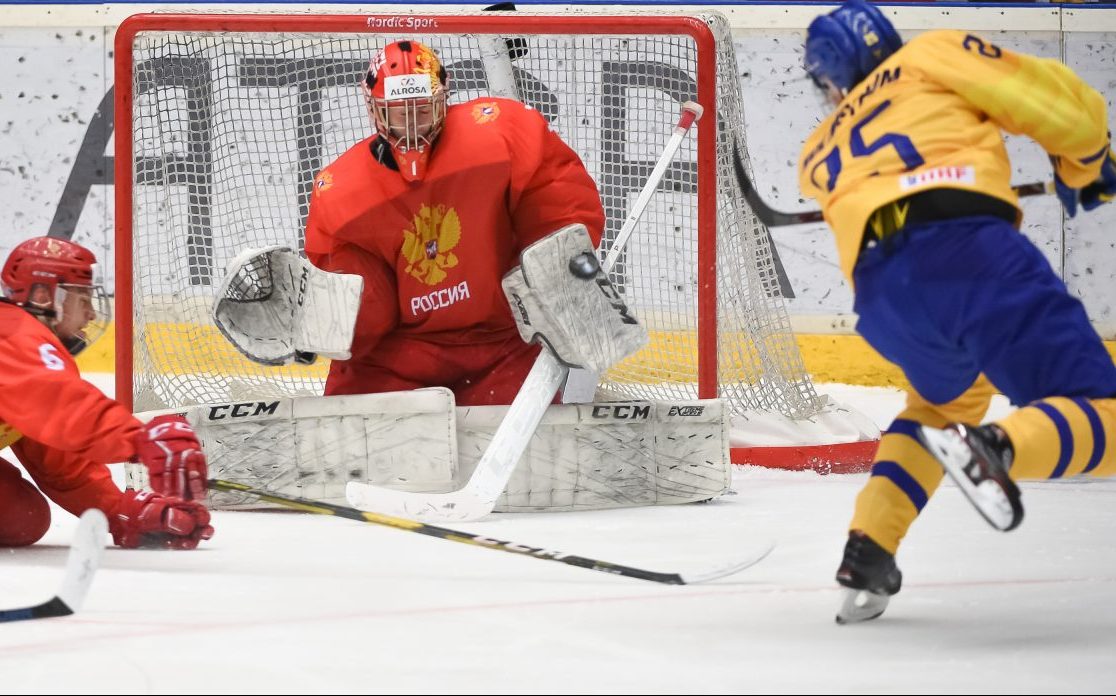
912,175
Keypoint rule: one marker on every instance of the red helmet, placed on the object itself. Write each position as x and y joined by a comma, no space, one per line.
405,90
39,275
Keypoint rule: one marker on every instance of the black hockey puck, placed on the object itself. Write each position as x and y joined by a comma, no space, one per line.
585,265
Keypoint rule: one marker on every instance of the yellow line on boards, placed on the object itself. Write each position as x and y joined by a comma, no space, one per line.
842,358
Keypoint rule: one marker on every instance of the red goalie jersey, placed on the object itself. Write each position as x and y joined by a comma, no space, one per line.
432,251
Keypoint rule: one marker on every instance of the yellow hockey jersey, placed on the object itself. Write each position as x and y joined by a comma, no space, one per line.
930,116
8,435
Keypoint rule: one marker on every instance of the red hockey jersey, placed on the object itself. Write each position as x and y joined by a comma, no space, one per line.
433,252
63,429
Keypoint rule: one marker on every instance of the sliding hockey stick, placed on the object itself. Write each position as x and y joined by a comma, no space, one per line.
85,555
320,508
778,218
478,497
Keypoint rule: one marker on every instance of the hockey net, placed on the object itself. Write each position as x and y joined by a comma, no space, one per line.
222,122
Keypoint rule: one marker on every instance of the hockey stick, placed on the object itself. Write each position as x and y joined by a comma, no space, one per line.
320,508
85,555
778,218
477,498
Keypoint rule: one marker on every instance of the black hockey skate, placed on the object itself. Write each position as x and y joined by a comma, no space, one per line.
978,459
870,575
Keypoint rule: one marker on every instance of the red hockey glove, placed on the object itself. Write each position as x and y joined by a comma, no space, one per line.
175,462
149,520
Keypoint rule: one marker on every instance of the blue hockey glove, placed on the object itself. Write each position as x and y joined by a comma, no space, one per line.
1103,189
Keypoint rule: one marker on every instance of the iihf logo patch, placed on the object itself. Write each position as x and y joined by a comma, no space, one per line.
486,112
432,248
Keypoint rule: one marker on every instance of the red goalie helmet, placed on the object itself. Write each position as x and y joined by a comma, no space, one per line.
54,280
405,90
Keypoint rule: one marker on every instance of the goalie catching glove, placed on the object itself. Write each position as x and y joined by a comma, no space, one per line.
560,295
276,307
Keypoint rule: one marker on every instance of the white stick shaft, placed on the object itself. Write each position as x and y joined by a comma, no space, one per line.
691,113
498,67
500,458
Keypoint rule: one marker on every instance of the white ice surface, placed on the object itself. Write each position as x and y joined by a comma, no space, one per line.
297,603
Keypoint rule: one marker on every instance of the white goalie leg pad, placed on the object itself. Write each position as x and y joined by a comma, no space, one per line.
582,457
311,447
273,304
609,455
560,295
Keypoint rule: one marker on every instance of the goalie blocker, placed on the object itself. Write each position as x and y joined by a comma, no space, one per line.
582,456
560,295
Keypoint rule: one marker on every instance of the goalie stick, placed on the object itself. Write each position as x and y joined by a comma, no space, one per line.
320,508
85,555
778,218
478,497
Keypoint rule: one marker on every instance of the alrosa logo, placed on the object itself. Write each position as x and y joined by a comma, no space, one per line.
407,86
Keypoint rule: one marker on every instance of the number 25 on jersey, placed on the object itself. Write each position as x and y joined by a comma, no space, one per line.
859,148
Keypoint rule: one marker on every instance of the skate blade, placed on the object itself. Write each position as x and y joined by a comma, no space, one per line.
861,605
988,497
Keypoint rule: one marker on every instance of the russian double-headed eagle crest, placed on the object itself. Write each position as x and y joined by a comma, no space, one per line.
428,245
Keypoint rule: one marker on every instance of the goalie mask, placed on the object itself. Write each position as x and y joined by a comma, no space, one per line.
53,279
405,90
847,44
